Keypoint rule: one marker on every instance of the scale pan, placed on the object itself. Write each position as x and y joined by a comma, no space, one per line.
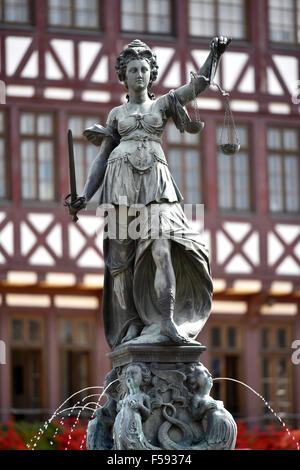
229,149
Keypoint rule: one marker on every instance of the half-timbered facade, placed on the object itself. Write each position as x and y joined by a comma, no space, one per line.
57,62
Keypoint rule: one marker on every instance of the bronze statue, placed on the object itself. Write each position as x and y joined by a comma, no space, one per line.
156,289
157,283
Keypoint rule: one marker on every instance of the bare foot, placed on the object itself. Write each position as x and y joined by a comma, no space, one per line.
170,330
132,333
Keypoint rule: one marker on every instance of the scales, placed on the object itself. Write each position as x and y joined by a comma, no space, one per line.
228,143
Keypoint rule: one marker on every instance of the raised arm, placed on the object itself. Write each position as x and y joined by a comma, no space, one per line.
186,92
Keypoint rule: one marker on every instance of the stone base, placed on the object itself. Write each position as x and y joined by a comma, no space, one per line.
127,354
158,398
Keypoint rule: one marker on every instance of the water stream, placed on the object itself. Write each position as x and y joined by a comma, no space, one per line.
267,405
87,406
92,406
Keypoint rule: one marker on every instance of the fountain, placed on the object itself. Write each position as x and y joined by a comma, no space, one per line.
94,424
157,281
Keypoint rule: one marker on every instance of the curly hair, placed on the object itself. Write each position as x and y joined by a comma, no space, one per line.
136,50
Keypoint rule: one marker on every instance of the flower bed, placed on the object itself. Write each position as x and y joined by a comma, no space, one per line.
270,439
15,435
20,435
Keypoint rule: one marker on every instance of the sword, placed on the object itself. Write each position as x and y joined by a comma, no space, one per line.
73,194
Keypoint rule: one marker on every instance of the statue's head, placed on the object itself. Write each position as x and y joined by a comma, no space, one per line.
136,50
134,373
199,379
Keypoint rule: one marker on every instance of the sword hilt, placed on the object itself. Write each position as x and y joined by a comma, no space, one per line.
68,204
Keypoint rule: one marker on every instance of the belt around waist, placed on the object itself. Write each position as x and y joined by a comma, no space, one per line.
142,138
125,158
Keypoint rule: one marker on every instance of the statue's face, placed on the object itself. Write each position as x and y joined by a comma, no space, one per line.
205,378
135,374
137,75
201,378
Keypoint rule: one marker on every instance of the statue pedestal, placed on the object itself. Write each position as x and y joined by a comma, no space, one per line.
158,398
147,353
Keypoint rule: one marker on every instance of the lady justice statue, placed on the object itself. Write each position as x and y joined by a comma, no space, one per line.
156,288
157,285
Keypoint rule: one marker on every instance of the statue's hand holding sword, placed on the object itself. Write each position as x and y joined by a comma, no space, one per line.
74,202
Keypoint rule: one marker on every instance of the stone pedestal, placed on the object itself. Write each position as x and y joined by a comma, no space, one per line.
158,398
148,353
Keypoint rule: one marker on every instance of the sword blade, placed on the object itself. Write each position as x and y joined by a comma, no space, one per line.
72,176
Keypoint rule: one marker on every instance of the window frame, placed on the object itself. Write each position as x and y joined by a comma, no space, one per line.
224,346
216,20
26,345
72,26
249,151
146,32
30,9
75,344
26,342
224,351
6,161
295,25
282,152
36,138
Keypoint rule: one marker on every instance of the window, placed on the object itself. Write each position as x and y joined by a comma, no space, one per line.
74,13
15,11
27,380
275,339
184,158
225,347
27,372
284,21
75,332
27,331
17,330
283,170
37,156
234,176
3,158
76,339
224,337
210,17
276,370
146,16
84,152
215,337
